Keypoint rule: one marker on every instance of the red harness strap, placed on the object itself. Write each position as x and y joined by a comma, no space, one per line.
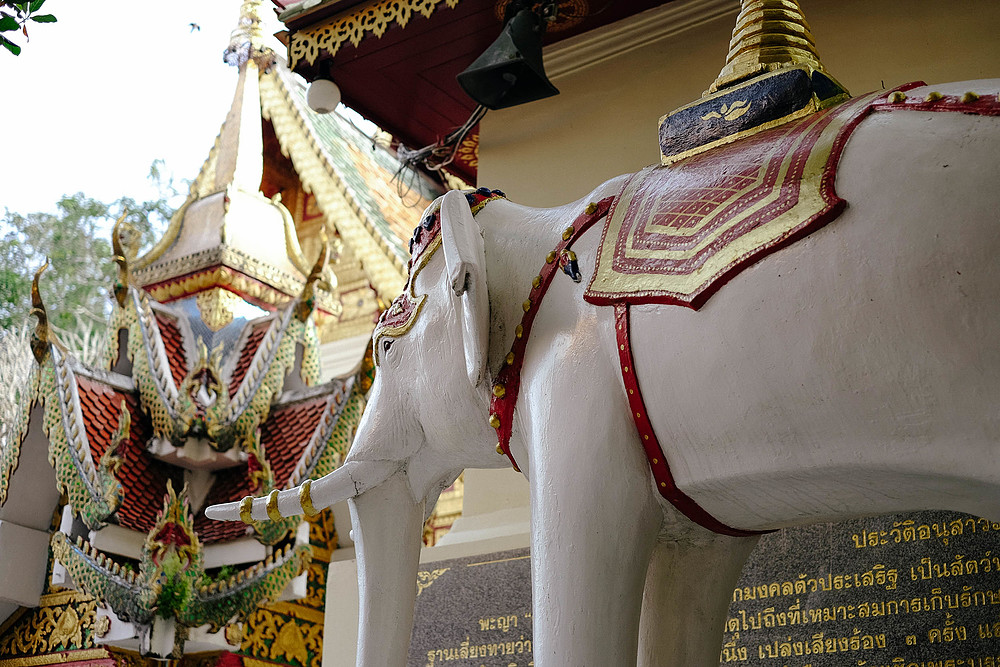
508,381
657,462
969,103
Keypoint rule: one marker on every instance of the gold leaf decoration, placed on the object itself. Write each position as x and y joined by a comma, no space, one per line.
426,578
62,622
216,307
374,20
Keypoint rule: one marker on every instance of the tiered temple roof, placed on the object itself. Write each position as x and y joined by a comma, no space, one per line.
293,234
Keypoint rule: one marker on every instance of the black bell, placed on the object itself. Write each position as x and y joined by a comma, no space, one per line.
510,71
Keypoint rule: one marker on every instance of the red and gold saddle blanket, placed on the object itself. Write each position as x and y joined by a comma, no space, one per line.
677,233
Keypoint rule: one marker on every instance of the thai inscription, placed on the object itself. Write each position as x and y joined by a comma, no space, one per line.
916,590
474,612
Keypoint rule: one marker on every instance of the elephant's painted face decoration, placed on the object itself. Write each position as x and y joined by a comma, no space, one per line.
402,313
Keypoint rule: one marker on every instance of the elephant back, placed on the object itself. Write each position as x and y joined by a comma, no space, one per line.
678,232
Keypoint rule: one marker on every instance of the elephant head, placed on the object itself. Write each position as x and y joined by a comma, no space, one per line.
424,424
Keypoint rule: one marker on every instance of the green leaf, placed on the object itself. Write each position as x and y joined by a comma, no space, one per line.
44,18
10,46
36,5
9,23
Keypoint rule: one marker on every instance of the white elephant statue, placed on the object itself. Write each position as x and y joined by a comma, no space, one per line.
853,372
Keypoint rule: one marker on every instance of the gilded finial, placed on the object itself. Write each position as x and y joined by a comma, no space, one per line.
109,459
247,41
121,259
42,335
202,355
769,35
307,301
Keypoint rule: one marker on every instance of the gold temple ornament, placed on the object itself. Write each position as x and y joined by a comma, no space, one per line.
769,35
772,76
305,499
246,509
272,506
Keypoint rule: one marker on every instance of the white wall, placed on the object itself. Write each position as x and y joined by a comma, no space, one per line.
604,122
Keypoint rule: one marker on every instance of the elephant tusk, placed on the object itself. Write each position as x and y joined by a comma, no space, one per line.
349,480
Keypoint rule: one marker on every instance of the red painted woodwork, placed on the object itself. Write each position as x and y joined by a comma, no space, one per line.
405,82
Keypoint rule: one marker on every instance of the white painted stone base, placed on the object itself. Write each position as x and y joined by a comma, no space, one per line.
22,564
340,624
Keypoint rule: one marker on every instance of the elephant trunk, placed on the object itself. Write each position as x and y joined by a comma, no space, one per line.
345,482
387,536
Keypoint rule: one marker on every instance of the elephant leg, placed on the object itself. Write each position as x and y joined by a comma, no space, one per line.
594,523
594,512
688,588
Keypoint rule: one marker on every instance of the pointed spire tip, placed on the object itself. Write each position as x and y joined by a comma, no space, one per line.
769,35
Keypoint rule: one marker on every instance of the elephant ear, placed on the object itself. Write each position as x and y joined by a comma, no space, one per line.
465,259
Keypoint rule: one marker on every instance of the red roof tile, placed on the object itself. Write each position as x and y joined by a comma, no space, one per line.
230,484
170,334
144,480
287,432
246,355
284,435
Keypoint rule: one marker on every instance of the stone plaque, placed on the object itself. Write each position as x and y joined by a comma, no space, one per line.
473,612
915,590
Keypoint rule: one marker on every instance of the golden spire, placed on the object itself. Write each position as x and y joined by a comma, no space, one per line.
247,41
228,226
240,160
769,35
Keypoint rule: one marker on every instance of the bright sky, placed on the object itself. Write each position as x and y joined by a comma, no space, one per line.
96,97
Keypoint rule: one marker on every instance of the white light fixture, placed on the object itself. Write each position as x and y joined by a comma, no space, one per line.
323,96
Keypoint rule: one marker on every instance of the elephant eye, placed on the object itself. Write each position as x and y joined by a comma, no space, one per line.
386,344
